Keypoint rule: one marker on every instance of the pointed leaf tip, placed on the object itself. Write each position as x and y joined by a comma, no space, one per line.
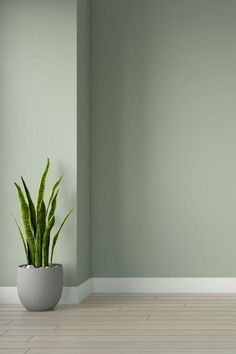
42,186
57,234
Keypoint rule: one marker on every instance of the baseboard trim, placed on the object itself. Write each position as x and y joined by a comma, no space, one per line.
76,294
85,289
70,294
165,285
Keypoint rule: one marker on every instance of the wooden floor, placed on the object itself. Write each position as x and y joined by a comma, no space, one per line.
111,324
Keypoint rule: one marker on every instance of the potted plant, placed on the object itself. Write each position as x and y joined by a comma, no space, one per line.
40,281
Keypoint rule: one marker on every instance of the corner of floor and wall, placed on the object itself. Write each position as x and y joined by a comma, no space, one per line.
134,99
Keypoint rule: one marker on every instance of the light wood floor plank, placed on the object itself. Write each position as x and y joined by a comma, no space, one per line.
14,351
114,345
112,324
128,304
14,338
108,351
25,328
139,328
73,320
122,332
120,351
5,320
134,338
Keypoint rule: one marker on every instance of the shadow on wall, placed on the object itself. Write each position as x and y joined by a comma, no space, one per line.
119,136
163,138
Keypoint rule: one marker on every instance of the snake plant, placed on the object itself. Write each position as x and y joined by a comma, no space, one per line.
38,221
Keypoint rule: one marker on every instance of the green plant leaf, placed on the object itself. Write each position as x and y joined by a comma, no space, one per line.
53,191
41,225
53,206
57,234
31,207
46,241
29,256
42,186
23,240
25,213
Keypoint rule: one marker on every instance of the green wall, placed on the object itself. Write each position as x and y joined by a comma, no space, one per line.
135,99
38,118
163,170
83,141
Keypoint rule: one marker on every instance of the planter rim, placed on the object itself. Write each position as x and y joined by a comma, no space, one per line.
23,266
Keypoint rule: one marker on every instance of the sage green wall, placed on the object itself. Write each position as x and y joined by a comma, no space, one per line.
38,117
83,212
163,134
162,130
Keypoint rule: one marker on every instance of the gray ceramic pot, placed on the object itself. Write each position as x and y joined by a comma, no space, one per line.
40,289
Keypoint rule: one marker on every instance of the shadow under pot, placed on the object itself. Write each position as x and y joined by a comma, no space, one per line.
40,289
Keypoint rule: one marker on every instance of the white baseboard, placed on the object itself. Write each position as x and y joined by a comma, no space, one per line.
85,289
8,295
165,285
76,294
70,294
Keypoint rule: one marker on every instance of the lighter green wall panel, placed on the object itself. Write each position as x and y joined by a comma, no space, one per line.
163,138
38,117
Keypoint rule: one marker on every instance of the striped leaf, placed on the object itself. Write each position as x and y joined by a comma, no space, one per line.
57,234
31,207
23,240
53,206
53,191
42,186
41,225
46,241
28,254
25,213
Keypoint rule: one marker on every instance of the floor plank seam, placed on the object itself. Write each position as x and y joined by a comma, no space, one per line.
4,333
